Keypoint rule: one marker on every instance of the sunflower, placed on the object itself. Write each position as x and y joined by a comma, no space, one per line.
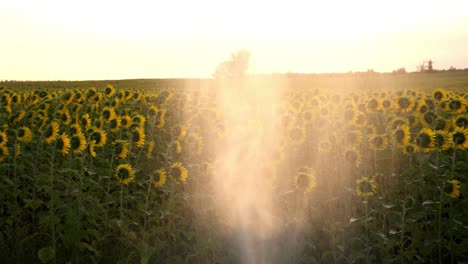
51,132
179,131
153,110
114,124
24,134
179,172
360,120
120,148
18,150
460,121
78,142
374,105
353,138
159,178
124,173
3,138
441,124
99,136
3,152
387,105
63,144
75,129
428,118
378,142
138,121
109,91
296,135
443,141
439,94
366,187
64,117
91,148
453,189
402,135
161,117
396,122
125,121
305,180
353,156
409,148
149,149
423,107
139,136
163,97
176,147
85,121
17,117
457,105
425,140
325,146
460,138
67,97
108,113
404,104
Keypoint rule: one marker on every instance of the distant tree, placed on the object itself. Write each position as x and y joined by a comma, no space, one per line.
401,70
236,67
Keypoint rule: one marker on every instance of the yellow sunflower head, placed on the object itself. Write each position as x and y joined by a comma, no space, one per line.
114,124
124,173
139,136
378,142
366,187
352,156
78,143
109,91
460,121
305,180
460,138
404,103
3,152
24,134
161,118
179,172
402,135
3,138
63,144
159,178
85,121
453,188
108,113
121,148
149,149
439,94
91,148
98,135
75,129
126,121
296,135
425,140
443,140
50,132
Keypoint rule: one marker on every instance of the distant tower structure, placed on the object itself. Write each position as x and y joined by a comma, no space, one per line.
426,66
429,66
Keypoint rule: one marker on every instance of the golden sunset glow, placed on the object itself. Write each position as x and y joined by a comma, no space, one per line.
50,40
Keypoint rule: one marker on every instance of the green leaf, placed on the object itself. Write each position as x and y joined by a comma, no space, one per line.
46,254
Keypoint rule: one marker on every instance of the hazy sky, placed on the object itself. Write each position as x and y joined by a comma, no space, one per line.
92,39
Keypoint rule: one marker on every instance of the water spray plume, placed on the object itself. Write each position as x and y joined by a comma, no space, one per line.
244,182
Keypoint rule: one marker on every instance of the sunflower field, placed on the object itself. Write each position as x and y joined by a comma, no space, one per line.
113,175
